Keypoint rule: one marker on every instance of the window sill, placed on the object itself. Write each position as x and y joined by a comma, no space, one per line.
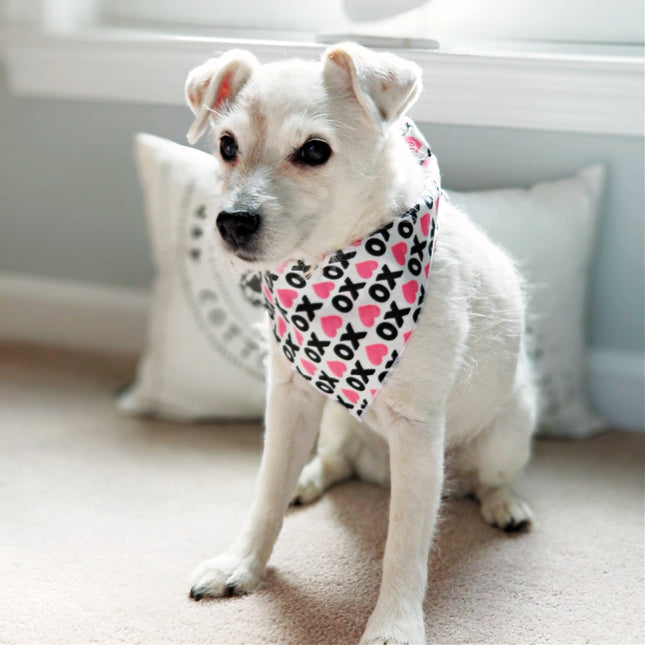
594,91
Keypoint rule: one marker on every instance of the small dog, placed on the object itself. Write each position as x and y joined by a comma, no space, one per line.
315,158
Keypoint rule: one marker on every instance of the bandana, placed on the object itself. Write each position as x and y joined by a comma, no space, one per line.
344,324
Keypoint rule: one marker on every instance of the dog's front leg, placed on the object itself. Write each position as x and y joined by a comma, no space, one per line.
293,416
416,465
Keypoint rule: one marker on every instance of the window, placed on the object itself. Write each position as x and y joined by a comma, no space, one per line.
582,21
297,15
588,21
579,67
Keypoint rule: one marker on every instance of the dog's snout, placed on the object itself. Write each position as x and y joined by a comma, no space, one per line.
238,227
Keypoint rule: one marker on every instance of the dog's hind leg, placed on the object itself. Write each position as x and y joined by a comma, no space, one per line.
346,448
499,453
333,460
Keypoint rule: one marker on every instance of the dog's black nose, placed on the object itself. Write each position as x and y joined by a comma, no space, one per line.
237,228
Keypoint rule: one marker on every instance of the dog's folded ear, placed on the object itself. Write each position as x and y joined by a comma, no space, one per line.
214,85
384,84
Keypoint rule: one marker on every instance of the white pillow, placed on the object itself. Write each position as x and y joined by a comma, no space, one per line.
204,356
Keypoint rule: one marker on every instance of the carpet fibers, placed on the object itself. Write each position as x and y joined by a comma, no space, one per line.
102,518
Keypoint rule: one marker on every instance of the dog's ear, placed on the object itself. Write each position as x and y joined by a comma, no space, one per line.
384,85
213,85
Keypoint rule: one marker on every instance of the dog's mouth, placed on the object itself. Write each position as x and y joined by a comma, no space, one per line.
257,261
248,256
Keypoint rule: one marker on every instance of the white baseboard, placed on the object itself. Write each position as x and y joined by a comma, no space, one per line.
70,314
91,316
617,386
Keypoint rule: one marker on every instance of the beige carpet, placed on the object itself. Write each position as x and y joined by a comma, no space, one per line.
102,518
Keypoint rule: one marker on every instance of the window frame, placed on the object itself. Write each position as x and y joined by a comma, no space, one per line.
590,89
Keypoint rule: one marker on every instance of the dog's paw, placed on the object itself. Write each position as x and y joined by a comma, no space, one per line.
226,575
311,484
501,507
385,638
389,640
408,631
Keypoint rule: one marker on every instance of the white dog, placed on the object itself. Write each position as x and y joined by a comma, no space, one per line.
313,159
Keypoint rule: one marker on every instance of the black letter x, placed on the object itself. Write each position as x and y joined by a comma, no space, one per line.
398,314
309,307
389,276
353,336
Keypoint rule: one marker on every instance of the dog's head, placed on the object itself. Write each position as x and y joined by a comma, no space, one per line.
309,161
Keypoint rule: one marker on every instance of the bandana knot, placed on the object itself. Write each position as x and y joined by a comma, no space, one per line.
344,323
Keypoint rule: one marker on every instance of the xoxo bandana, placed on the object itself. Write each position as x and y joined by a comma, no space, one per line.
344,324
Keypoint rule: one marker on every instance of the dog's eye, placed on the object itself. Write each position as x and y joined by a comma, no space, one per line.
313,153
228,147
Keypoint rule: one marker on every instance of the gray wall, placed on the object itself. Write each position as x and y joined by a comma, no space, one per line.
70,206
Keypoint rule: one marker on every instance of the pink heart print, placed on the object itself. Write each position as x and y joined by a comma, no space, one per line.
287,296
425,224
376,353
352,395
312,368
323,289
337,367
331,325
410,290
368,314
400,251
366,268
282,327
